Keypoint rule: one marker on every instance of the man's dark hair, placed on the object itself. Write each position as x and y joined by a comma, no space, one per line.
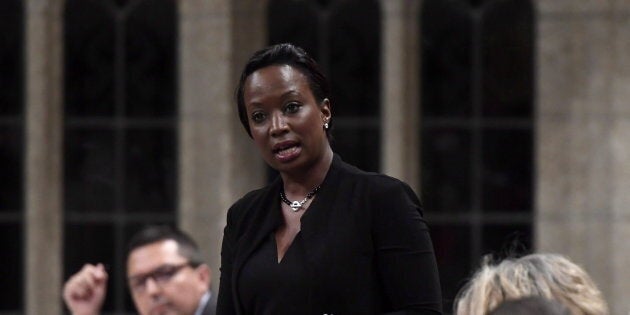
187,247
531,305
283,54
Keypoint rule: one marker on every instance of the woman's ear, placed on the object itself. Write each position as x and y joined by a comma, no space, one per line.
325,108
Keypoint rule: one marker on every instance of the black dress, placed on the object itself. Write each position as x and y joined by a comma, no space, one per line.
266,284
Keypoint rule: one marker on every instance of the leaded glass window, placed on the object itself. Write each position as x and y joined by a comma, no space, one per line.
11,156
344,38
477,131
119,130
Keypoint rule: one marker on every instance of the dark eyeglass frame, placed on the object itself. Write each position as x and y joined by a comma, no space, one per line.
161,275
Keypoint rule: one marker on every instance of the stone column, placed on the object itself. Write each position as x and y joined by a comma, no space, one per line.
217,164
249,29
400,130
43,171
583,146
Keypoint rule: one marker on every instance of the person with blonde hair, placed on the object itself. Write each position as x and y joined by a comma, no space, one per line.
530,305
551,276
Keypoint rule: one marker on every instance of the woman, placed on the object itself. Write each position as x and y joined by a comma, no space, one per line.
324,237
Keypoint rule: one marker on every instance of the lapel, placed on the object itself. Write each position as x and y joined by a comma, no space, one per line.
320,228
265,220
316,226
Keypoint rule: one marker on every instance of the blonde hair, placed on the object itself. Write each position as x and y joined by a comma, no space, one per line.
548,275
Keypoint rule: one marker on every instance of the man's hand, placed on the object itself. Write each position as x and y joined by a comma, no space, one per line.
84,292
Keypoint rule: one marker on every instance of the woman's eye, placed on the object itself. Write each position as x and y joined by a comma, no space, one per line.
292,108
258,117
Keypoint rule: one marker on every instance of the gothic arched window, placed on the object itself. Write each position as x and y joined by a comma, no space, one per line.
477,131
120,138
344,38
11,155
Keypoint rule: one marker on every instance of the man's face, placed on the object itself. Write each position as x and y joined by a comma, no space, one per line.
162,282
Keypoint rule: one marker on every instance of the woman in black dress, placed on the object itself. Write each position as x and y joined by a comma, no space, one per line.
324,237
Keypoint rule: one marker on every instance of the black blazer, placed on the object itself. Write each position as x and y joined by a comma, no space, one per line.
368,247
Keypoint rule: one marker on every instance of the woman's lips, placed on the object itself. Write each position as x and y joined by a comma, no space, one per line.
287,153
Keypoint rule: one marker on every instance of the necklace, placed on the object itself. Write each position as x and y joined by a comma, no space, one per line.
297,205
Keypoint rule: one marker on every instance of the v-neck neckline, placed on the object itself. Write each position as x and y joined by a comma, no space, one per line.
278,259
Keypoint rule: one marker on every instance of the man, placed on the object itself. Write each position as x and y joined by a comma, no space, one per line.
165,273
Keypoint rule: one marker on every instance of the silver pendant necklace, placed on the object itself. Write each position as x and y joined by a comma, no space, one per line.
297,205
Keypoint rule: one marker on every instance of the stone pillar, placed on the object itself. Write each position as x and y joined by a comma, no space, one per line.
249,27
43,171
217,164
400,130
583,146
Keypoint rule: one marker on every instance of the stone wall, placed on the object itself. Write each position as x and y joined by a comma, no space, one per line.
583,129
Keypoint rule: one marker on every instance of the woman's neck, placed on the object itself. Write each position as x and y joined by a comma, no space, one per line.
303,181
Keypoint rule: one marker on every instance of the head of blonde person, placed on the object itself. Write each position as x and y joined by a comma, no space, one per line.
548,275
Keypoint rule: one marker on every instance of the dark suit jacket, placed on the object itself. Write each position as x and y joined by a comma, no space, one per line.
368,246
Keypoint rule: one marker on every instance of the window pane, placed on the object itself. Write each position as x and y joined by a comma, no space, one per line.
358,147
89,47
91,243
344,38
119,141
11,159
150,59
11,155
507,170
151,170
121,3
90,170
477,70
11,272
11,67
446,163
354,61
295,22
446,59
453,251
508,59
507,239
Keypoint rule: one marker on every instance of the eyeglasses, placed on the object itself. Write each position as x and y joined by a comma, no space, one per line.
160,276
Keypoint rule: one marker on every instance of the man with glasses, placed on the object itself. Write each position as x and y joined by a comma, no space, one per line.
165,273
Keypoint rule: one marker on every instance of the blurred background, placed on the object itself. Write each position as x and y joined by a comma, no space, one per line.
509,118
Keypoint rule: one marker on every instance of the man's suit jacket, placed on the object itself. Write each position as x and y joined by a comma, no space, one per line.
365,240
211,306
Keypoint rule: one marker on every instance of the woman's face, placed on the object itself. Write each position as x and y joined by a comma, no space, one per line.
285,119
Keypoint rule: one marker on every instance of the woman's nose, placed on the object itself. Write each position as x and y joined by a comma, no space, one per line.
278,125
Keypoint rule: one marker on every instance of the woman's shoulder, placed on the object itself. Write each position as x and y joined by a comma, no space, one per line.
252,195
250,201
382,192
372,180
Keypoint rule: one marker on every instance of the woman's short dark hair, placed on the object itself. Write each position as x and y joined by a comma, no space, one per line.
283,54
186,246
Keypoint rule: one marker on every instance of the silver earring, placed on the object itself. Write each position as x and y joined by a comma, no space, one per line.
325,125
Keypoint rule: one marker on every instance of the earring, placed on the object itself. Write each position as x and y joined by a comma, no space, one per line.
325,125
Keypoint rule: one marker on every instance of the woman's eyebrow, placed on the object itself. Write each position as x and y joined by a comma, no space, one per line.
291,92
